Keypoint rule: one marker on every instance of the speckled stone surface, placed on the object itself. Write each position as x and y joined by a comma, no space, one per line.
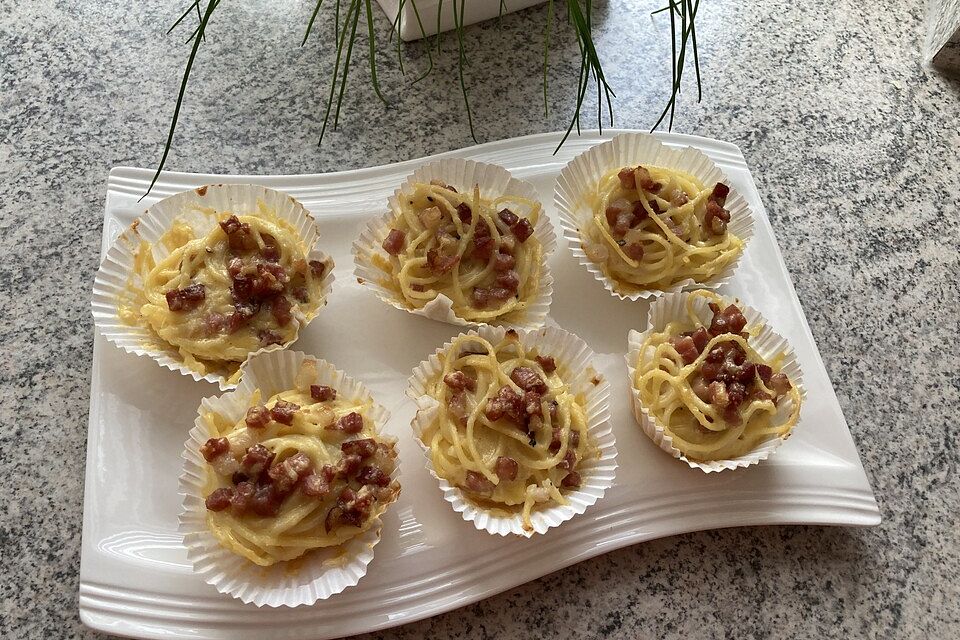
856,151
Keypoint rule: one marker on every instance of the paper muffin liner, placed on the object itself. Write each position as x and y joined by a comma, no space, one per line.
581,175
494,181
572,355
318,574
117,268
672,306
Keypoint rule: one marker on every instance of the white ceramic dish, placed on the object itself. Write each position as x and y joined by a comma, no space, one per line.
135,578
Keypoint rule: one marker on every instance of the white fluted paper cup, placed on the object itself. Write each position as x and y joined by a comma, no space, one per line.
319,573
672,307
116,280
494,181
574,358
582,174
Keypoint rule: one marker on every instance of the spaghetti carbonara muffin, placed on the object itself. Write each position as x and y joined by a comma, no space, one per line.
508,431
653,227
478,252
218,297
302,470
710,390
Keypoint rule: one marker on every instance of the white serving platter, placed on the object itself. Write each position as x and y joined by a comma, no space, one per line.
134,576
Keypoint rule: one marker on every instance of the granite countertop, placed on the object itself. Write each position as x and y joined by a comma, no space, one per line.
856,152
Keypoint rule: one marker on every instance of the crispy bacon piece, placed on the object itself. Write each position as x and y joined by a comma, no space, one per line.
458,381
256,460
623,223
464,213
350,423
547,362
268,337
266,501
477,483
532,403
508,217
348,465
717,392
780,384
283,411
219,499
765,373
288,473
634,250
271,248
686,347
528,379
317,485
646,181
729,320
393,243
700,338
508,280
242,497
482,246
615,209
716,218
363,447
571,481
719,193
508,403
280,307
213,448
556,440
504,261
353,507
569,460
522,230
457,406
373,475
238,233
322,393
257,417
640,212
187,298
482,296
317,268
627,177
440,263
506,468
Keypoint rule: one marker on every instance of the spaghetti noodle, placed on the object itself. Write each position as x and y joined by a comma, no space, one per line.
302,470
476,251
712,392
653,227
508,430
219,297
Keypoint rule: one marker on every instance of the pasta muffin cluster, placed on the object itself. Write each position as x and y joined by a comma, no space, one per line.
478,252
653,227
304,469
713,393
218,297
508,430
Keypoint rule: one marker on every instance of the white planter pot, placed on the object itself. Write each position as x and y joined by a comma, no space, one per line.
474,11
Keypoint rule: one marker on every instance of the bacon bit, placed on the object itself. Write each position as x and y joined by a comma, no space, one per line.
623,223
238,233
640,213
506,468
719,193
780,384
528,379
509,280
522,230
266,501
348,465
350,423
765,373
315,485
257,417
373,475
532,403
187,298
508,403
716,218
268,337
556,440
718,394
256,460
394,241
271,248
213,448
419,288
508,217
458,381
655,206
201,191
322,393
730,320
678,198
504,261
242,497
646,181
464,213
364,447
219,499
458,406
317,268
283,411
482,247
569,460
547,362
571,481
288,473
700,338
439,263
686,347
627,177
280,307
701,389
301,294
736,393
477,483
482,297
615,208
634,250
